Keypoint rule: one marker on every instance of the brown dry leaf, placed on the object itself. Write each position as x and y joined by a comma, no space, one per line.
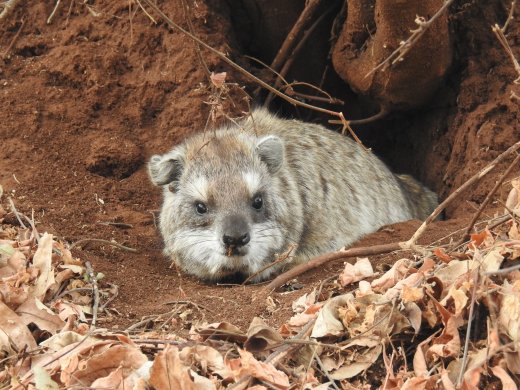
34,311
459,298
413,314
114,381
208,359
169,372
13,261
66,309
514,233
364,288
509,310
218,79
221,331
354,273
328,322
300,319
13,332
484,237
492,261
448,343
101,365
442,255
42,261
513,198
361,354
392,276
507,382
260,336
416,383
247,365
411,294
303,302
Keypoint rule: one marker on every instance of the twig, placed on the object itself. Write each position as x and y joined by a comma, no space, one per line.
114,296
487,200
292,37
101,241
279,260
455,194
509,17
186,9
8,7
503,270
95,289
468,330
17,215
14,38
294,52
505,44
404,47
51,16
239,69
325,258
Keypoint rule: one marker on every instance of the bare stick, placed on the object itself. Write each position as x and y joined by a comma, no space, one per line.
238,68
279,260
121,225
17,215
509,17
95,289
404,47
187,16
294,53
290,41
455,194
51,16
468,331
8,7
6,52
114,296
487,200
505,44
327,257
100,241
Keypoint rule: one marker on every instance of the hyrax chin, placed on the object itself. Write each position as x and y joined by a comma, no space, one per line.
237,198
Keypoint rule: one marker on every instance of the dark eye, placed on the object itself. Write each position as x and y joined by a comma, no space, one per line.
201,208
257,202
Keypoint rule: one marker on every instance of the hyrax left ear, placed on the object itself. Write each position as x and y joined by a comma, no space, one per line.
167,168
270,149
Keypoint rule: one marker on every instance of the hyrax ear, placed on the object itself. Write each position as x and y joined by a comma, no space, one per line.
270,149
167,168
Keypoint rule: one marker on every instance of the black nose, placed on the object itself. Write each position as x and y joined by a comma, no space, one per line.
237,241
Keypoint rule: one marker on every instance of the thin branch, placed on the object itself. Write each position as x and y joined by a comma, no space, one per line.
474,179
284,256
101,241
294,34
487,200
17,215
405,46
344,253
187,16
6,52
95,289
8,8
51,16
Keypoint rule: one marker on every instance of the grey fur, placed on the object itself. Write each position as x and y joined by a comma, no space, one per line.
319,190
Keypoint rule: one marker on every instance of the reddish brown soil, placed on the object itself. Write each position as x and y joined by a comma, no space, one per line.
87,99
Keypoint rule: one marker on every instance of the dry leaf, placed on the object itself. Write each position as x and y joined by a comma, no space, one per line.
507,382
509,311
42,379
218,79
42,261
13,331
328,322
207,358
260,336
392,276
354,273
247,365
33,311
221,331
411,294
169,372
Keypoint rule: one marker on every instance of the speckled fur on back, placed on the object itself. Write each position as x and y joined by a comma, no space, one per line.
317,189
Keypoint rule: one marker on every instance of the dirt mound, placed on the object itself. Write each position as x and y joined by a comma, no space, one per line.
89,97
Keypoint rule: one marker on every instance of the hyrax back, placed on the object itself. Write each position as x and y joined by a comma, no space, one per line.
236,198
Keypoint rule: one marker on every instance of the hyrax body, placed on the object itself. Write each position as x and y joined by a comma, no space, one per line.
236,198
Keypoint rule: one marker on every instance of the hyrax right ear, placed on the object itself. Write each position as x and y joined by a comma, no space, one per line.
271,151
167,168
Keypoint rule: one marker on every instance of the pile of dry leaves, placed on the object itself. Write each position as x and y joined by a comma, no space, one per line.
443,319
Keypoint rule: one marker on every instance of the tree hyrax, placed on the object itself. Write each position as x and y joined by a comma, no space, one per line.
236,198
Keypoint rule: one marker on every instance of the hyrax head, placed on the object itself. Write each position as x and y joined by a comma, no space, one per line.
220,210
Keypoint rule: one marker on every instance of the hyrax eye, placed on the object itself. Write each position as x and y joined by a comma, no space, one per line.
201,208
258,202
